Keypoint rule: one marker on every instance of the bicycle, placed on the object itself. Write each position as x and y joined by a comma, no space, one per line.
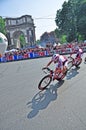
74,62
46,80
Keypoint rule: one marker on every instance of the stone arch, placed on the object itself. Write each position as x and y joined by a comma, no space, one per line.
20,25
16,39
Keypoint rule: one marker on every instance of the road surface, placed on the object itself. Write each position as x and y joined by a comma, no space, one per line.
24,107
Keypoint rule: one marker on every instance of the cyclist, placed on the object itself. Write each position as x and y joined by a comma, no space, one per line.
61,64
79,52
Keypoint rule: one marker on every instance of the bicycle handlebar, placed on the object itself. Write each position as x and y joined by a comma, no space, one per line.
48,69
70,57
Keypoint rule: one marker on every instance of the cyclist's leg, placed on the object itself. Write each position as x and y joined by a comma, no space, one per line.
65,67
57,72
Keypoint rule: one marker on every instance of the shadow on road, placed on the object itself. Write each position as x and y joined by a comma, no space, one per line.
72,73
42,99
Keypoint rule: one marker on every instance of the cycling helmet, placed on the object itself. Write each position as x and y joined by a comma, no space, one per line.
77,48
55,57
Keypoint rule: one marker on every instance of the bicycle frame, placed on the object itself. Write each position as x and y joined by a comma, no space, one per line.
75,61
51,73
46,80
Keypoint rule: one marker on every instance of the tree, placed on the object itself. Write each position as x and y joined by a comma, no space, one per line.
82,19
71,19
22,40
38,42
62,18
57,33
2,25
64,39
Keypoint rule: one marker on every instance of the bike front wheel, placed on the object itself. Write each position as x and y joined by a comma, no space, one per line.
45,81
70,64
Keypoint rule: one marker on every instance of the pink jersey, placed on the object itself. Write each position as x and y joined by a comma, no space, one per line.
61,61
79,53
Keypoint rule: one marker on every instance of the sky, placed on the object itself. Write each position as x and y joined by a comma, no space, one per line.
43,12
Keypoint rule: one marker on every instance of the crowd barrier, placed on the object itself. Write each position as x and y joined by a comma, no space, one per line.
30,55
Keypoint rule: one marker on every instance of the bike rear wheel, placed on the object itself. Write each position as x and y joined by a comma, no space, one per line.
45,81
78,63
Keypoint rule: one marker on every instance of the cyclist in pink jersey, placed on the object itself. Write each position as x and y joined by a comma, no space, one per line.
79,52
61,63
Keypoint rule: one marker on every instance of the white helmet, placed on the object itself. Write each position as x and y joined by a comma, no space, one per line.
55,57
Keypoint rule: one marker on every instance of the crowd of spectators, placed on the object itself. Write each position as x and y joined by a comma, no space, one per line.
21,54
29,53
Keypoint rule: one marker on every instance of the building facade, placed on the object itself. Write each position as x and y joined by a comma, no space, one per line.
48,38
15,27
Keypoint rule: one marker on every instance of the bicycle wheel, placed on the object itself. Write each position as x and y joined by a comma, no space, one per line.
45,81
78,63
70,64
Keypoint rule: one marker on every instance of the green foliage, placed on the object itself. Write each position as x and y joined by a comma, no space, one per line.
22,40
38,42
57,33
2,25
71,19
82,20
63,39
80,38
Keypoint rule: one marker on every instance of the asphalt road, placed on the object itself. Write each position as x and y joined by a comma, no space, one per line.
24,107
